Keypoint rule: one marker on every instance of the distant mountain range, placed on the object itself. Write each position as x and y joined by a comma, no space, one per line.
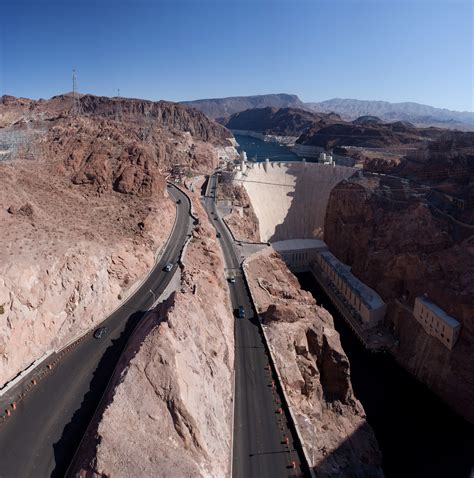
413,112
225,107
349,109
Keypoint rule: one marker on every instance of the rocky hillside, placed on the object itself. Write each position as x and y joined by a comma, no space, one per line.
84,209
224,107
404,242
366,133
447,163
315,372
168,411
143,112
279,121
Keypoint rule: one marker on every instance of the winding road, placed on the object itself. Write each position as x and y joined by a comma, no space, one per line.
259,431
42,435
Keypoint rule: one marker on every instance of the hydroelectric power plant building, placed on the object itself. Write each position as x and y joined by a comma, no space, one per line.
366,305
436,322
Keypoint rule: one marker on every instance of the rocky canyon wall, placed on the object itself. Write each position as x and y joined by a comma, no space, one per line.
401,248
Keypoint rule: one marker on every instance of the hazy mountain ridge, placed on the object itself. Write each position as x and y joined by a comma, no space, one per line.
223,107
406,111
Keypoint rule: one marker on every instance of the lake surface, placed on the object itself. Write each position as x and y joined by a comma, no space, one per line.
418,434
259,150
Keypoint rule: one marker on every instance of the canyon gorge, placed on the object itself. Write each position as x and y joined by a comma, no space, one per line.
86,210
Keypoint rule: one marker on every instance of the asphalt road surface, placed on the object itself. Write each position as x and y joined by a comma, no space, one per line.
42,435
259,431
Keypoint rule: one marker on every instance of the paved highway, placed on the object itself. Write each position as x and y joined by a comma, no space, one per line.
42,435
259,431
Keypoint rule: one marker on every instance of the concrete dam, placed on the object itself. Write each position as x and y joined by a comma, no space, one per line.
290,199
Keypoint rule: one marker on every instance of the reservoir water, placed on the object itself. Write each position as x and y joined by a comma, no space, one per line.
418,434
259,150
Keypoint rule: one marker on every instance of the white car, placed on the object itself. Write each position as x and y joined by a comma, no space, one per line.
168,267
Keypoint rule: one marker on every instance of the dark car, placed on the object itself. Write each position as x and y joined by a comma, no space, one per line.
178,201
241,312
100,332
218,234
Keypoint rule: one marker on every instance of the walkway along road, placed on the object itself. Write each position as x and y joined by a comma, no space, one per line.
42,434
261,427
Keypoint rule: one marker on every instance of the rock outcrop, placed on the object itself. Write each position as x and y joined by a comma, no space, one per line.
149,114
242,219
366,135
170,403
315,372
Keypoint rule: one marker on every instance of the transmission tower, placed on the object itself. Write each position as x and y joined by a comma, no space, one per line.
118,107
76,106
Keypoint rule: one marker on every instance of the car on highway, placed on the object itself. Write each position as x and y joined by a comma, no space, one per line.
218,234
100,332
232,280
178,201
168,267
241,312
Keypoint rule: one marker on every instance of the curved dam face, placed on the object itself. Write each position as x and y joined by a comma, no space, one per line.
290,199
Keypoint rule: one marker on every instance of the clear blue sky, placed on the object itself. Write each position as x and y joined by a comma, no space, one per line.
394,50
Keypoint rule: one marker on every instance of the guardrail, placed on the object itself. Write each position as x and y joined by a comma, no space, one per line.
28,378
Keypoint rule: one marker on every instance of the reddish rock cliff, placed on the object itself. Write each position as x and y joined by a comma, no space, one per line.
403,246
